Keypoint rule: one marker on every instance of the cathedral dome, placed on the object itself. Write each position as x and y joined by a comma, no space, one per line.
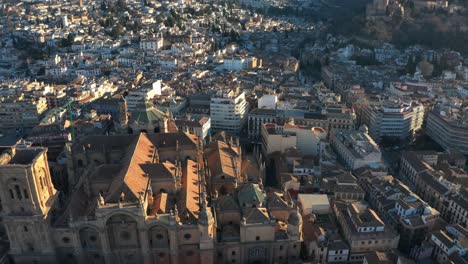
295,218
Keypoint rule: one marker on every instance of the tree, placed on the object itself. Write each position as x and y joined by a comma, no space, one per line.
317,65
103,6
233,36
214,47
426,68
67,42
410,66
121,5
116,31
169,21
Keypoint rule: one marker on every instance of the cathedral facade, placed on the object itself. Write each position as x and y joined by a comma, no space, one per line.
146,198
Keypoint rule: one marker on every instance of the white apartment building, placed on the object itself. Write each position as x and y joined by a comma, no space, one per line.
338,251
239,63
141,95
449,242
229,111
393,119
170,63
21,112
57,71
448,126
152,43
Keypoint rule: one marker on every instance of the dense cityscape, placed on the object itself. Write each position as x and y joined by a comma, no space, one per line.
237,131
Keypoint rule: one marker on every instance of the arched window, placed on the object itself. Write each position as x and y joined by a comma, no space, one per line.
18,192
25,192
11,194
41,180
122,231
159,237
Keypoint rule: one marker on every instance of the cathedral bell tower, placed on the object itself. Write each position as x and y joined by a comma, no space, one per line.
206,227
27,196
295,225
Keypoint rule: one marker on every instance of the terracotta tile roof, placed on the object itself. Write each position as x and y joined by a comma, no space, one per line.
250,170
101,141
190,190
169,140
132,180
222,160
105,173
159,171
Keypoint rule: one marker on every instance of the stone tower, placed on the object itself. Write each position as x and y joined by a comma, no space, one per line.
206,227
295,225
123,113
70,167
27,195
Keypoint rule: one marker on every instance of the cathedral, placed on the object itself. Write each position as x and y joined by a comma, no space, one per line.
146,198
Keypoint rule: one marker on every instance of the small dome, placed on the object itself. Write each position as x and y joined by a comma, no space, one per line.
295,218
205,216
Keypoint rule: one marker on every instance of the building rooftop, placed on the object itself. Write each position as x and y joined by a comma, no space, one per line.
15,156
452,115
358,143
